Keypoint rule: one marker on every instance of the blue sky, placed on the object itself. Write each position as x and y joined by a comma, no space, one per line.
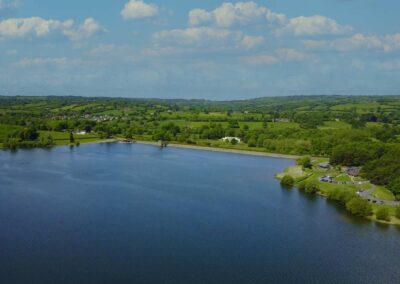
199,49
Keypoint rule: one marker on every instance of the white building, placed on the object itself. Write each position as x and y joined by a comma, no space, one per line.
230,139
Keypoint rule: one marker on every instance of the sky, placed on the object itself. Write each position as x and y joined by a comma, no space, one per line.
204,49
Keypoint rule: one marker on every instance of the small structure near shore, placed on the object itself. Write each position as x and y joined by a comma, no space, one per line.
127,141
328,179
230,139
324,166
162,143
353,171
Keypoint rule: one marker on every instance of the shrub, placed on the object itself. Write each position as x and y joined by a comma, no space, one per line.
341,195
359,207
287,181
383,214
397,212
311,188
305,162
302,186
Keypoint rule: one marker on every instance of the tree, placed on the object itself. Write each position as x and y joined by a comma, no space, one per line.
397,212
341,195
88,128
311,188
265,123
383,214
359,207
252,142
305,162
29,133
354,154
287,181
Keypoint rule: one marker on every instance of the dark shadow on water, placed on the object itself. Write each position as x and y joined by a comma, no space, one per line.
308,196
287,187
382,226
341,210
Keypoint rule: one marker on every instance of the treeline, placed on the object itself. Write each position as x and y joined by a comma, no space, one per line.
380,162
27,138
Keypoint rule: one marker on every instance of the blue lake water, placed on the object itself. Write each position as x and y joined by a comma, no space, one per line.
116,213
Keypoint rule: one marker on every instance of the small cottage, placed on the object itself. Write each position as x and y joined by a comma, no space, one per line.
353,171
324,166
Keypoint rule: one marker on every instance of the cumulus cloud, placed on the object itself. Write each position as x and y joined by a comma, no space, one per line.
358,41
36,27
209,37
280,55
228,15
313,26
197,35
89,28
249,42
138,9
290,54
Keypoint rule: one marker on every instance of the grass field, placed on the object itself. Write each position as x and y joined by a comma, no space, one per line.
62,138
5,130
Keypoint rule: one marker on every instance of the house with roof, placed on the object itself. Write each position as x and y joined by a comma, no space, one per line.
353,171
328,179
324,166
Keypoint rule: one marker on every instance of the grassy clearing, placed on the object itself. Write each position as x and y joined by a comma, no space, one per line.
383,193
335,125
62,138
5,130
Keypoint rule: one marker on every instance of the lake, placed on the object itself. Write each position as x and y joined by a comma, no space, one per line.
120,213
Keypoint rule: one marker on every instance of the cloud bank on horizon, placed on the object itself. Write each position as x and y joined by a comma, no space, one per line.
215,50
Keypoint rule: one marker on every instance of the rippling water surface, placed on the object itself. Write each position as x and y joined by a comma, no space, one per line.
115,213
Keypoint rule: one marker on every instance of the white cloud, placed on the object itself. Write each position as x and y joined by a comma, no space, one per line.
59,62
198,35
280,55
261,59
89,28
138,9
358,41
198,17
392,42
209,37
37,27
228,15
290,54
314,25
249,42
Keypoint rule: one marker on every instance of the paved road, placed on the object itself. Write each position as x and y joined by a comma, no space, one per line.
368,194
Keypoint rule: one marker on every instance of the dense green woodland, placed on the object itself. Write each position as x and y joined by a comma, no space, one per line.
352,131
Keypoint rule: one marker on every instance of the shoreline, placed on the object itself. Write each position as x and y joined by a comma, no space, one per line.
192,147
322,192
223,150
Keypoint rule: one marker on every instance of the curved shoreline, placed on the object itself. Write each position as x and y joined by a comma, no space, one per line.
193,147
224,150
